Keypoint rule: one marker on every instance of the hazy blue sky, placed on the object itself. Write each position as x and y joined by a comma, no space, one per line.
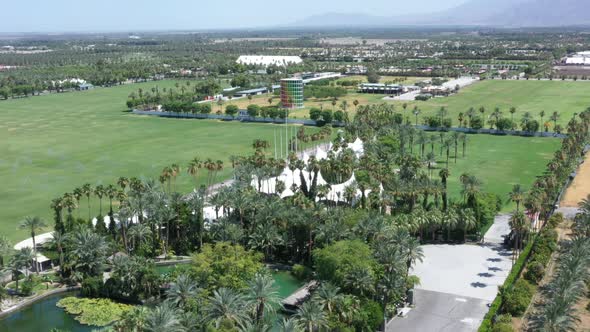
125,15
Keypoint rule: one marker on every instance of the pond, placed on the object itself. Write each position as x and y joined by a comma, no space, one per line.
44,315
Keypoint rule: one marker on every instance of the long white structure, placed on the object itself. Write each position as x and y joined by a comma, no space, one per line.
269,60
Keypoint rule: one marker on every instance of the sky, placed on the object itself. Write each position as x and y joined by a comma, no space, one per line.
136,15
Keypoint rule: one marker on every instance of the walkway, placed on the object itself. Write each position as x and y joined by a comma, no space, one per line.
458,282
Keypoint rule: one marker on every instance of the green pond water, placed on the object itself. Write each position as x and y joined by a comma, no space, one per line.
44,315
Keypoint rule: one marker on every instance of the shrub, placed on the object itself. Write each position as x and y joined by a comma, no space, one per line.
301,272
315,113
253,110
423,97
504,124
555,220
369,317
517,298
26,288
503,327
505,318
535,272
91,287
231,110
476,123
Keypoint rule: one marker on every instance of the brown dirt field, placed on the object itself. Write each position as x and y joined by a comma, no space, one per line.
580,187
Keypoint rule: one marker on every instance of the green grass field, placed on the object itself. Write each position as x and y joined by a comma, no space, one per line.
499,162
566,98
52,144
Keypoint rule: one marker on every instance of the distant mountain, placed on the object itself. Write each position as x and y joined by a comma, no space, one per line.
506,13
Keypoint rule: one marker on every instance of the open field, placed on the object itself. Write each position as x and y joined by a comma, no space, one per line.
499,162
52,144
566,98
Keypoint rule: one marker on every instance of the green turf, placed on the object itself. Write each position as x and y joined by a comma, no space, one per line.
499,162
52,144
563,97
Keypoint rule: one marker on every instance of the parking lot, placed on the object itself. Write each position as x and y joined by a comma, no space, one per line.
458,282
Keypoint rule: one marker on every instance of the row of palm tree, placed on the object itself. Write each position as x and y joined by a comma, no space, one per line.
568,286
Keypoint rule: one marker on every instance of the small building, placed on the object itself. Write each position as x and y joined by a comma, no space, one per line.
251,92
85,86
269,60
378,88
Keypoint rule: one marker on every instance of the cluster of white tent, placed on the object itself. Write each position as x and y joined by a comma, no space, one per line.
288,177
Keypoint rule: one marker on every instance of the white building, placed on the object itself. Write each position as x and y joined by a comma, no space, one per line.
580,59
268,60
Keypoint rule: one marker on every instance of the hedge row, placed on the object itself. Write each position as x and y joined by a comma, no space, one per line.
486,325
536,253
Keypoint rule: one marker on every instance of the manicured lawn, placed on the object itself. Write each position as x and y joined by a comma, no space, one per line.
566,98
52,144
499,162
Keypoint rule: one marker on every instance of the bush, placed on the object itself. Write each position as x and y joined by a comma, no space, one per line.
503,327
26,287
517,298
504,124
301,272
231,110
535,272
315,113
476,123
369,317
423,97
253,110
91,287
555,220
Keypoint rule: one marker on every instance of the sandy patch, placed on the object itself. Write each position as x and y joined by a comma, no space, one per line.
580,187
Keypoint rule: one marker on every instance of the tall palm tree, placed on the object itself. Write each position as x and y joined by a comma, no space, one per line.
327,295
444,175
467,220
181,290
516,195
33,225
226,305
99,191
5,249
58,241
263,294
193,169
311,315
87,190
520,225
164,317
140,234
554,117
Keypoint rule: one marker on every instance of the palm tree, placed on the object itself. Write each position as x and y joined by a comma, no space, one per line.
164,317
448,144
463,139
263,294
5,249
88,252
416,112
182,290
87,190
99,191
311,315
361,281
58,240
467,220
123,182
193,169
519,225
227,305
542,115
33,224
289,325
554,117
444,175
516,195
512,111
327,295
471,188
140,233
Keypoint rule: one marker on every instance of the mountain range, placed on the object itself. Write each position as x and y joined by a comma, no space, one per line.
497,13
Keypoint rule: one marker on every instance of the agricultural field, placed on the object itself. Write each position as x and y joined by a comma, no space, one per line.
52,144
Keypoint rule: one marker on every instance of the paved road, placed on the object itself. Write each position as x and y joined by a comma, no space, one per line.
458,282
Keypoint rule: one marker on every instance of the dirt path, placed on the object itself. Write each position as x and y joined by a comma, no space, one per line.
580,187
